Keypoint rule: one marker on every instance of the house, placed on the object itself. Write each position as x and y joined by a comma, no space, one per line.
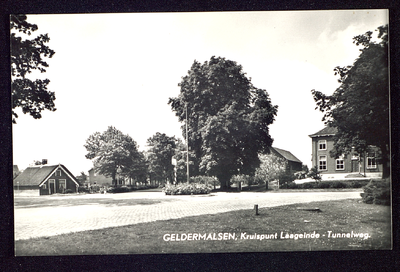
98,179
294,164
46,180
346,166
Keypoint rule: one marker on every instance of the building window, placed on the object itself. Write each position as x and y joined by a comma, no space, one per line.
340,163
322,163
371,162
44,186
322,145
58,173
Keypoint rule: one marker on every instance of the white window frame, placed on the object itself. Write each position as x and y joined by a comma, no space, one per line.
322,142
58,173
338,160
320,160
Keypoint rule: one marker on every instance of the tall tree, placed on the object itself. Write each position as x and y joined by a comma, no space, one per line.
112,151
160,153
228,118
359,108
26,56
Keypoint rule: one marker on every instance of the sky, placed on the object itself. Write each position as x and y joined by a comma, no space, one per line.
120,69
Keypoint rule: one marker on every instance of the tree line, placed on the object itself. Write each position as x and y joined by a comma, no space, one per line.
225,118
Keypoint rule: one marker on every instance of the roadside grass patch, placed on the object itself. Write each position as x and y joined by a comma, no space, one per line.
345,216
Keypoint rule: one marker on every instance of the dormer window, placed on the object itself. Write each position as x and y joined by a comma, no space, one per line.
322,145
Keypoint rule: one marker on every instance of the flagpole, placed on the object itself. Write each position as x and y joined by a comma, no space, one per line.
187,145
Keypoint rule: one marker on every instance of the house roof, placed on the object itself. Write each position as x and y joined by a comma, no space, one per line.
286,154
326,131
40,174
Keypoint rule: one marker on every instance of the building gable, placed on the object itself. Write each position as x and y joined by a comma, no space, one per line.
37,176
285,154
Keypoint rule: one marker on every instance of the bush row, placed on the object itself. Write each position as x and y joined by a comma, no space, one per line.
377,192
335,184
187,189
125,189
203,180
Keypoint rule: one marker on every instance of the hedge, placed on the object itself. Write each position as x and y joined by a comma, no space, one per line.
187,189
335,184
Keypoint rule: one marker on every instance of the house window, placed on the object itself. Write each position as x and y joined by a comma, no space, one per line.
340,163
322,163
371,162
58,173
44,186
322,145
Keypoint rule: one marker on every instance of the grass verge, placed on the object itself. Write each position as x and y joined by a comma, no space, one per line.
233,232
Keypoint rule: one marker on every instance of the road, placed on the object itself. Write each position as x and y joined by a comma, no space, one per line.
31,222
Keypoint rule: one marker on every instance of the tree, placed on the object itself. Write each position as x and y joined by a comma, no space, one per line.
82,177
359,108
227,116
26,56
112,151
160,153
271,168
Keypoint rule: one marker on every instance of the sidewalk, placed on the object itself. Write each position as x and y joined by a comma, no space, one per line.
50,221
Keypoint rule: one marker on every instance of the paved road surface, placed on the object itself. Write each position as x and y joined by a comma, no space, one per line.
50,221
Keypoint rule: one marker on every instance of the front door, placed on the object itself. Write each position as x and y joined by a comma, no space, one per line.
354,166
52,186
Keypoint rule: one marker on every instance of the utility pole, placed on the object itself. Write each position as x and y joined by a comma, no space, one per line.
187,145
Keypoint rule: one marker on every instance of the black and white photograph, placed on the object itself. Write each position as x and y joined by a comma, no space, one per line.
201,132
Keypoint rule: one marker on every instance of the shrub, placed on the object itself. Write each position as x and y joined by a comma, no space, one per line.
358,183
377,192
203,180
286,177
83,189
300,175
68,191
187,189
116,190
290,185
324,184
308,185
338,184
314,174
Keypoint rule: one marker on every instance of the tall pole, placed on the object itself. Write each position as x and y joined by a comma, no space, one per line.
187,146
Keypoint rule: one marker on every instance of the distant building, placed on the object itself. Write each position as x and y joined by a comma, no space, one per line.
96,178
294,164
46,180
16,171
350,166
